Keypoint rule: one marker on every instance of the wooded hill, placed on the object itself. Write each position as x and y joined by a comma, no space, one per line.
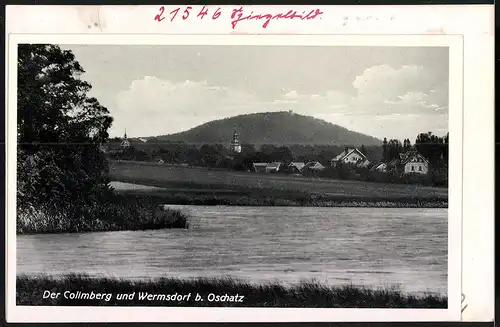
279,128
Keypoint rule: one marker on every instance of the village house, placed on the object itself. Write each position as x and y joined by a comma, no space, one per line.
382,167
259,167
410,162
351,156
312,168
295,167
266,167
314,165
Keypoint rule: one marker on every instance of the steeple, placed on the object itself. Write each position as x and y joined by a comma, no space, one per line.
235,145
125,142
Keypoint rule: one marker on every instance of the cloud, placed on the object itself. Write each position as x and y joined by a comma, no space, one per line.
408,89
153,106
383,94
328,103
381,90
170,107
154,95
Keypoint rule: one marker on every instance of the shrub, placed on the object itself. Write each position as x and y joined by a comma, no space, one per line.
117,212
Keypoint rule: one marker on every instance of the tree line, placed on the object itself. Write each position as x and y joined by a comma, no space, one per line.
434,148
219,156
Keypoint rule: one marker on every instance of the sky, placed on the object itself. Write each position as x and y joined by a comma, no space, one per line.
393,92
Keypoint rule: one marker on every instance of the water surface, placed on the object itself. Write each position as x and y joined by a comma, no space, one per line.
362,246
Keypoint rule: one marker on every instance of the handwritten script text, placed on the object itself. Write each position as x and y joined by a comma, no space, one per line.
237,15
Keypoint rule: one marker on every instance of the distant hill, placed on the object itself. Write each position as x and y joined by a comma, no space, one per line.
280,128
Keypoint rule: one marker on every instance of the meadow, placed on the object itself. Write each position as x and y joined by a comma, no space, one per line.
30,291
197,185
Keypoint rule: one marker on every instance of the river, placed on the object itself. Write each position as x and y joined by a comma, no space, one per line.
362,246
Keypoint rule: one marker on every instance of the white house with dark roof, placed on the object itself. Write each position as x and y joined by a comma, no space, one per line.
351,156
414,162
409,162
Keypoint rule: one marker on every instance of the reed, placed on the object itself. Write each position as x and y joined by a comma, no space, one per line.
313,294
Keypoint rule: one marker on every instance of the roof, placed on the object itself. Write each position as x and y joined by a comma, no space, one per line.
314,165
346,153
260,164
298,165
378,165
407,156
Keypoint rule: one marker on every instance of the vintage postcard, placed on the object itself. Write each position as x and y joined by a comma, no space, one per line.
235,177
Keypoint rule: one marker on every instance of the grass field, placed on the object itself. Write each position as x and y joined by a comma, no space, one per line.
30,290
196,185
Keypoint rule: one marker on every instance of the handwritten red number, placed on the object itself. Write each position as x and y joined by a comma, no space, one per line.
159,16
186,12
203,12
216,14
175,12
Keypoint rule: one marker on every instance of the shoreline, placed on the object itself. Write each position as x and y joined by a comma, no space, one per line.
240,293
201,195
137,209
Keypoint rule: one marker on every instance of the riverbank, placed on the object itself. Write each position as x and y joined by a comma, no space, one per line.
199,186
116,212
193,194
30,291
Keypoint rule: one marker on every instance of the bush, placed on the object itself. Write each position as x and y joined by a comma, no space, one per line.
116,212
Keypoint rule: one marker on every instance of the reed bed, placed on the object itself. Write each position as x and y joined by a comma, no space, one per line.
239,293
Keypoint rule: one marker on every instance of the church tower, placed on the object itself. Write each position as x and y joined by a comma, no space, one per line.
235,146
125,142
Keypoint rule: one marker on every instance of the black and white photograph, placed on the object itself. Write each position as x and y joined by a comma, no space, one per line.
233,175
